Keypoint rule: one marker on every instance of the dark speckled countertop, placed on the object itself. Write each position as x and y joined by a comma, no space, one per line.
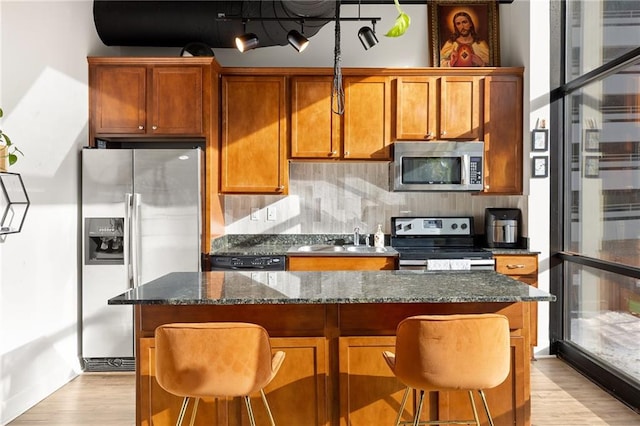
279,244
330,287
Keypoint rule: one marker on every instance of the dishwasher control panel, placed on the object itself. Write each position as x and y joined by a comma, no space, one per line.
247,263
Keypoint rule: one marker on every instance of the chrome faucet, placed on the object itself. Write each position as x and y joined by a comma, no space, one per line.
356,236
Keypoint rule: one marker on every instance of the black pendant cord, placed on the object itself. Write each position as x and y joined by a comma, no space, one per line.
337,92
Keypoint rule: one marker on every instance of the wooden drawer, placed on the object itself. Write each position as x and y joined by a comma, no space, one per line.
517,265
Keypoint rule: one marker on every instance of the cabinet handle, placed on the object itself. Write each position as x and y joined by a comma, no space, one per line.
280,188
140,127
429,135
154,127
512,266
334,153
346,153
444,132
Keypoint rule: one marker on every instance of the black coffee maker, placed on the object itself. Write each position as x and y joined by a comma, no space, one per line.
503,227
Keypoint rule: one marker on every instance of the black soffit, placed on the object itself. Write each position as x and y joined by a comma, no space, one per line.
167,23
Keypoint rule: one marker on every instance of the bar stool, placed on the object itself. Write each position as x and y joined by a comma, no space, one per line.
198,360
449,353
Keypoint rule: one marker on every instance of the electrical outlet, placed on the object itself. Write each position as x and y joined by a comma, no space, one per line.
254,213
271,279
271,213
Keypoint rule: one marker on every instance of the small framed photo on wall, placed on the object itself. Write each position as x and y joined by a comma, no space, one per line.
539,139
592,140
591,166
539,167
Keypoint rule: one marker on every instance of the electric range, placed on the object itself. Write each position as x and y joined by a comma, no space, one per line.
438,243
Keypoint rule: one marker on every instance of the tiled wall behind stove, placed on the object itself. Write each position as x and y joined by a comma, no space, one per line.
336,197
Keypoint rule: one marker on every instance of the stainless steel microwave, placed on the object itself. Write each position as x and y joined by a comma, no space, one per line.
437,166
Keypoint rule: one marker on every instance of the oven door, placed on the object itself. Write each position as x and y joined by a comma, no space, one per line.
447,264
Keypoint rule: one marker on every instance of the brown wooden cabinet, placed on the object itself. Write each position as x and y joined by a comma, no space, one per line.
341,263
460,107
254,135
416,108
363,132
503,134
147,99
367,118
522,267
315,129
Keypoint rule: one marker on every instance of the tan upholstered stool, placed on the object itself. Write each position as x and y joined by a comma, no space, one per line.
449,353
215,360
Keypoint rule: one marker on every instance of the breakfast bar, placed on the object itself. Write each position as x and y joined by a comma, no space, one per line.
333,327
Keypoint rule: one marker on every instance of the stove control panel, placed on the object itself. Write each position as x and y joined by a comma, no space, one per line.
432,226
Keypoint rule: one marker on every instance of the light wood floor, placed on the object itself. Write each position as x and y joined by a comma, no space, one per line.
560,397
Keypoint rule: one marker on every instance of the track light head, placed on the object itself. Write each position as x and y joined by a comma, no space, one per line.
297,40
367,37
247,41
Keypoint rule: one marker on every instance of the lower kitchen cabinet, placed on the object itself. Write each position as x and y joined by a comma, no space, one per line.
296,396
341,263
523,268
334,373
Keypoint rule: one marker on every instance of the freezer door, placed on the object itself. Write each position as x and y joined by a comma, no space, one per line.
107,331
166,226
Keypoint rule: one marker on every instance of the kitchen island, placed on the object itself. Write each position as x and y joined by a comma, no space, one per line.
333,327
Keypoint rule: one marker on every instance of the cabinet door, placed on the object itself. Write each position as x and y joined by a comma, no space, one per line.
460,108
522,268
508,402
176,101
315,129
341,263
503,134
118,94
416,108
370,394
367,118
296,396
253,135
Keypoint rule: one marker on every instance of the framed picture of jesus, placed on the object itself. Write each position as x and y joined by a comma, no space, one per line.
464,33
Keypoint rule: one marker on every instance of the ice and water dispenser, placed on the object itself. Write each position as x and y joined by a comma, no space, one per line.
104,244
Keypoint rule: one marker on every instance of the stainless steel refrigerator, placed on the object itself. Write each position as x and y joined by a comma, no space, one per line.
141,218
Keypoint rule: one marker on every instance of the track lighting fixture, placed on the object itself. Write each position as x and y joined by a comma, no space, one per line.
368,37
246,41
297,40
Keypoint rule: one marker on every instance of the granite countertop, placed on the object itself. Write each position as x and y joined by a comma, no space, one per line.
331,287
286,244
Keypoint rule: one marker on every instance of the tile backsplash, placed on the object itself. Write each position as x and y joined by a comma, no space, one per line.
337,197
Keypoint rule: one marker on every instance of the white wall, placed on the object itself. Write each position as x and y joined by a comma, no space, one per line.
43,91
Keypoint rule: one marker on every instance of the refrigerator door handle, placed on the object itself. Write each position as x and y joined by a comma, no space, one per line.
135,239
128,205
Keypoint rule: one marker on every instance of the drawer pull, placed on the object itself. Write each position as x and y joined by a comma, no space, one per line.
518,266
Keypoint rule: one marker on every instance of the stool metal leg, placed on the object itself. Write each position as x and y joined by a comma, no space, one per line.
193,413
247,401
402,404
416,420
183,410
473,407
266,404
486,406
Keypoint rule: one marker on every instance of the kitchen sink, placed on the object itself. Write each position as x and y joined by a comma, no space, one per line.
321,248
347,248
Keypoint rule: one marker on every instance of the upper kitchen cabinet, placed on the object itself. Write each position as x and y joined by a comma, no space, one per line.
361,133
503,134
416,108
254,135
149,97
315,129
367,118
460,103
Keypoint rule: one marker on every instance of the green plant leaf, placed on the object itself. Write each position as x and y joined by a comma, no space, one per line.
12,159
6,138
402,23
